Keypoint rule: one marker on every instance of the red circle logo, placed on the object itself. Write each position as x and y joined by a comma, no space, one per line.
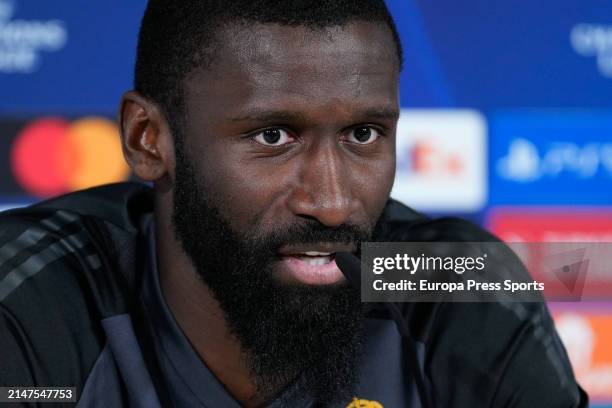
52,156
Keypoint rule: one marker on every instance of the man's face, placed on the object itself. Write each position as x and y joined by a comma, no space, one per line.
289,124
287,156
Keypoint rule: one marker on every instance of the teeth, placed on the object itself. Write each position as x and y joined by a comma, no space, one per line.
315,253
316,261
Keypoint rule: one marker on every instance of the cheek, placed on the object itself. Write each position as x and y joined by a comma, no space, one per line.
375,184
374,177
242,192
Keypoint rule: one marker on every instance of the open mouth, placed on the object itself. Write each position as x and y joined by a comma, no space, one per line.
315,258
313,264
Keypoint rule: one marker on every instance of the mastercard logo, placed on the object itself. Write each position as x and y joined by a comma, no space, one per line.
52,156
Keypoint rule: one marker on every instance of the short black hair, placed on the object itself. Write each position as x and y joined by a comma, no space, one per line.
177,36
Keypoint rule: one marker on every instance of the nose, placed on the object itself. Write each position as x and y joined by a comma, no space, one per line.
323,191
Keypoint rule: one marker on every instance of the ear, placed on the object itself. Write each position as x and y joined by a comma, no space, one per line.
145,137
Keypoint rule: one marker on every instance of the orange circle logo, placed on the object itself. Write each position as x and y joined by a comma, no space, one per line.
52,156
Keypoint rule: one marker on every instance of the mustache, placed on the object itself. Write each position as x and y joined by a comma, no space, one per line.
310,232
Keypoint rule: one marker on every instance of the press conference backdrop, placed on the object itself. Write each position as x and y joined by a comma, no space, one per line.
506,120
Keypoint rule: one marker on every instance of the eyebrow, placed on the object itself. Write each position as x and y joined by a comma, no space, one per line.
386,113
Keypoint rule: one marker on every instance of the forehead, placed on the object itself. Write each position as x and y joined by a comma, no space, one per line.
269,67
265,43
271,64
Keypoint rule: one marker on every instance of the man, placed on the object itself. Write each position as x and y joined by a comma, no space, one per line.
268,131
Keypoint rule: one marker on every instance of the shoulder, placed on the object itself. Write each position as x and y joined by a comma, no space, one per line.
79,240
60,273
499,353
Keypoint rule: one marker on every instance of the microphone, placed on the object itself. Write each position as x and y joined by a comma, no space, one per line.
350,266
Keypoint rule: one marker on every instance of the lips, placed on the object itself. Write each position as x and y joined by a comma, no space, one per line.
316,249
312,264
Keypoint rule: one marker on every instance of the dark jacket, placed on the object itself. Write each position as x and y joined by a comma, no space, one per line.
68,264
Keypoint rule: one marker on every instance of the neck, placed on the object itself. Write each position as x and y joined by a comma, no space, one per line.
200,317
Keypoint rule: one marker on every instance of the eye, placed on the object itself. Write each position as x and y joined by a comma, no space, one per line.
363,135
273,137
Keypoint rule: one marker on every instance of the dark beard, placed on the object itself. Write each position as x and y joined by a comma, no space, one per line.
311,336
